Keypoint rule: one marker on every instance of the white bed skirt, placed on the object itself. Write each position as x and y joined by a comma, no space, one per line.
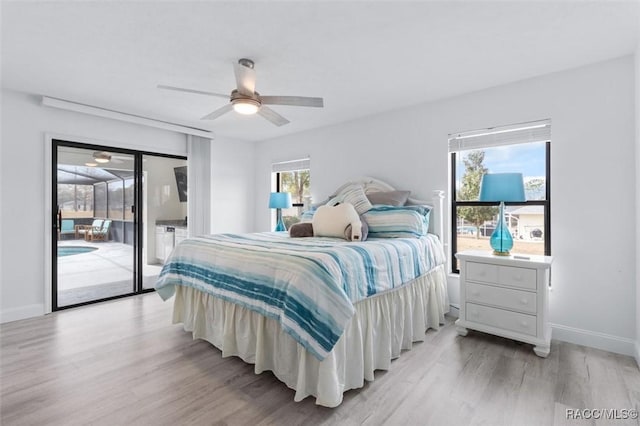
382,327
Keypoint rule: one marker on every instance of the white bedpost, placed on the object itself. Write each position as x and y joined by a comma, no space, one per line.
438,204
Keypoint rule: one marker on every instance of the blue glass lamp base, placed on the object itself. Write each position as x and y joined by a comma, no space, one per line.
501,240
280,226
501,246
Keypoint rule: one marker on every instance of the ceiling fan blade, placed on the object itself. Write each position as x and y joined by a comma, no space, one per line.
199,92
293,100
217,113
245,79
272,116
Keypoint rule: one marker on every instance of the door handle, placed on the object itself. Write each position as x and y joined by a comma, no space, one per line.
59,219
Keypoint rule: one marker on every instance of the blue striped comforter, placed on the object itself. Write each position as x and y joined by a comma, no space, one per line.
309,285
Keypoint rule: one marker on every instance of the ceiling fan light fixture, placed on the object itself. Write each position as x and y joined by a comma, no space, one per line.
101,157
245,100
90,164
246,106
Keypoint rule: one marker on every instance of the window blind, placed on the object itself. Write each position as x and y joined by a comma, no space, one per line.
536,131
291,165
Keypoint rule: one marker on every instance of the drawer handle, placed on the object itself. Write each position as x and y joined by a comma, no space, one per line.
517,277
475,293
475,313
524,323
524,301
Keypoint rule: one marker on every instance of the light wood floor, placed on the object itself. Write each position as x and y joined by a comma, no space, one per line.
122,362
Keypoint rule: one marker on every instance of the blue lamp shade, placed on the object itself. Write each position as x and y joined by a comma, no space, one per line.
279,201
502,187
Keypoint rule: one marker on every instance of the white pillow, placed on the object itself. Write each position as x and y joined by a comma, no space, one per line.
331,221
353,194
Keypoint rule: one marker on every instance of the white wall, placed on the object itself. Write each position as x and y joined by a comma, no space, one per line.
591,179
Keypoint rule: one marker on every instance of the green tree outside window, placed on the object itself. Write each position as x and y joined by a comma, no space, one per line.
297,183
470,191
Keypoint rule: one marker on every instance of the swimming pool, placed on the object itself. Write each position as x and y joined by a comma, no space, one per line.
71,250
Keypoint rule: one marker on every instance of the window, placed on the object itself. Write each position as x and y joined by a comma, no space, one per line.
523,148
115,199
75,200
293,177
100,199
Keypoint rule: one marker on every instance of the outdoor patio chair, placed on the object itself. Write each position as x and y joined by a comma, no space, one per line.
85,229
66,228
101,234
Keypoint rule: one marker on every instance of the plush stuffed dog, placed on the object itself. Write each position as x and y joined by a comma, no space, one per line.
331,221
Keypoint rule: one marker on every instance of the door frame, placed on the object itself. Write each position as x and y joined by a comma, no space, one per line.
50,263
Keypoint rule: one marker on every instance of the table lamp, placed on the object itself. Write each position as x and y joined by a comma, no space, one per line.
279,201
502,187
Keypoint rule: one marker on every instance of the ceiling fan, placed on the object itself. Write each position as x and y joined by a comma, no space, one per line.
245,100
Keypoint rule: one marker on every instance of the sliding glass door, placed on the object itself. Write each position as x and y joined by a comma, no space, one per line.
164,211
107,203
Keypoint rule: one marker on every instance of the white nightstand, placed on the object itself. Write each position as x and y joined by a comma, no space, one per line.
507,296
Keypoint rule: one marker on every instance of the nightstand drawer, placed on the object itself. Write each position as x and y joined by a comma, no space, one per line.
507,320
502,275
482,272
516,300
517,277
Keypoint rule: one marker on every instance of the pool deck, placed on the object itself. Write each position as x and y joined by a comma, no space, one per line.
105,272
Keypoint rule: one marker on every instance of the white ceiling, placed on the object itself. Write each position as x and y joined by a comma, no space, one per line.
363,57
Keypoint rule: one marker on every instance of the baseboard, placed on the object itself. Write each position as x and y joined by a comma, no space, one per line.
23,312
593,339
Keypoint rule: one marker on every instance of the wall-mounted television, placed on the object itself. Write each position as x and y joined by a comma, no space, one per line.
181,181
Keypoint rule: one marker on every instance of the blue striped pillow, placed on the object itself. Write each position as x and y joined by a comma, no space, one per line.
307,215
353,194
397,221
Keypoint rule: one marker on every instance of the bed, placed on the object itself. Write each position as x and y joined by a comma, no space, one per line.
321,313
